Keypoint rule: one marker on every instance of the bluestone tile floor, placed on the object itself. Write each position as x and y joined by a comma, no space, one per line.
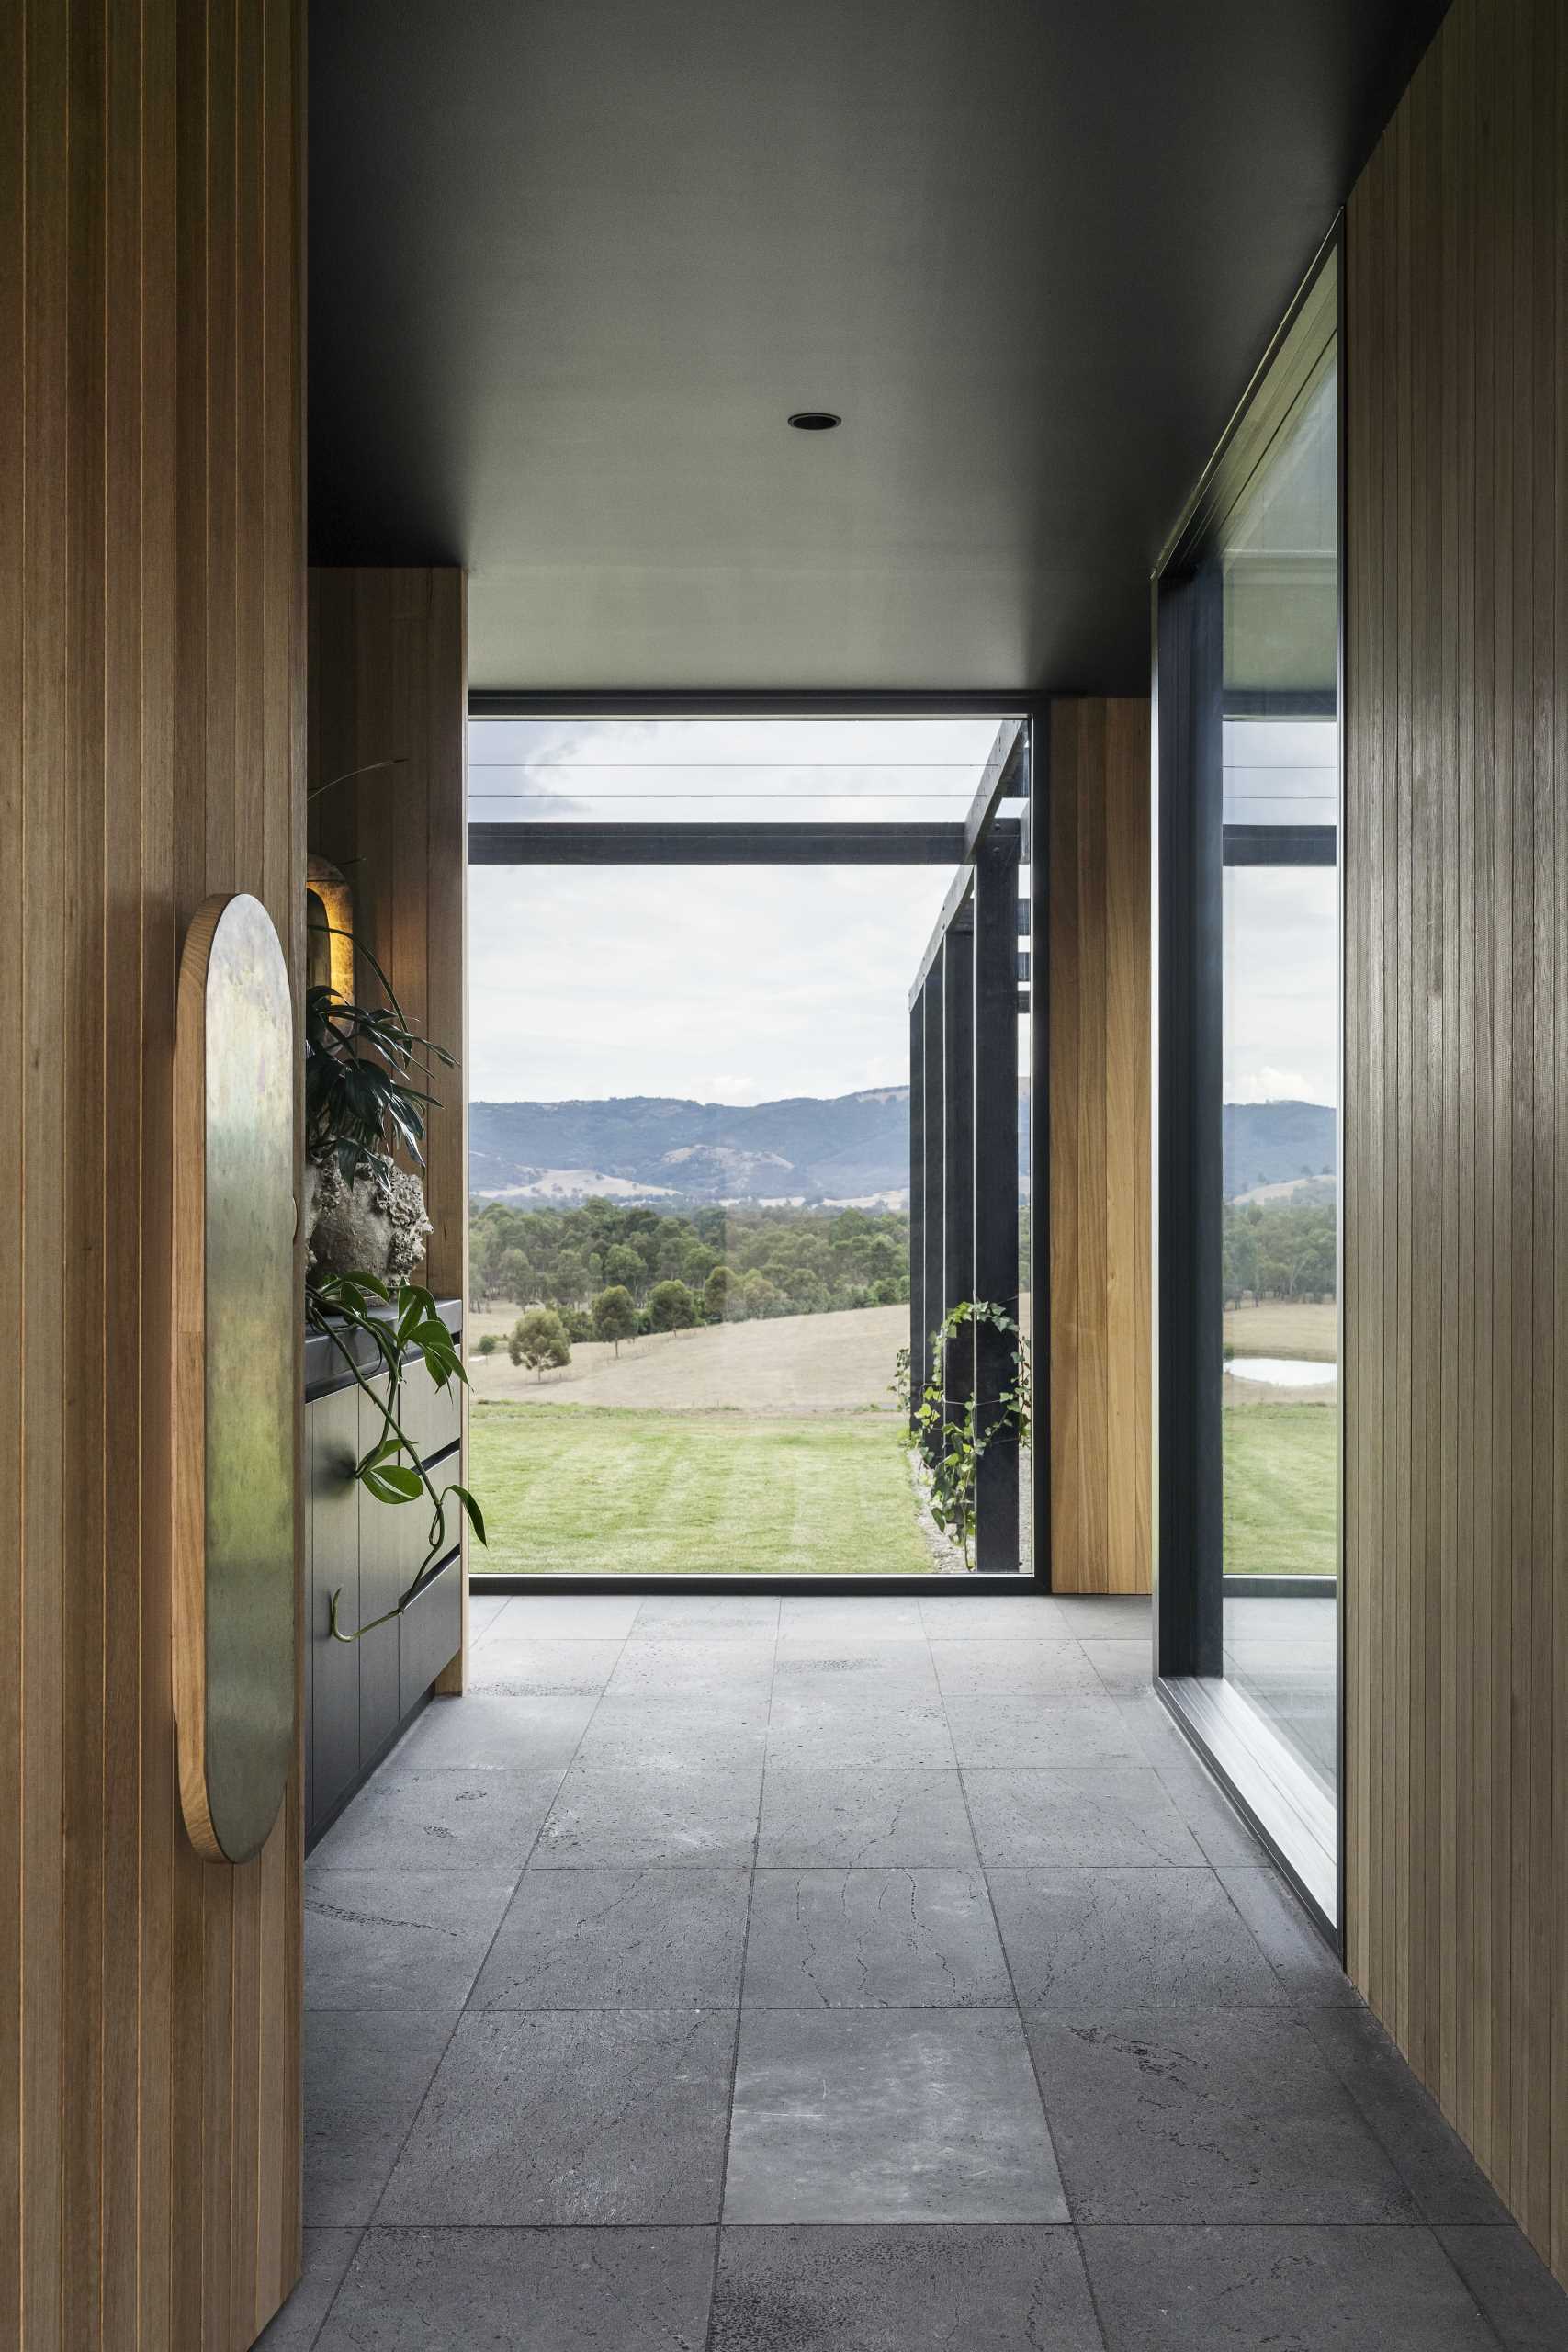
871,1974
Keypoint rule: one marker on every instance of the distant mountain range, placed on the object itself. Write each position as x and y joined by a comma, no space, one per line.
645,1147
1276,1143
841,1148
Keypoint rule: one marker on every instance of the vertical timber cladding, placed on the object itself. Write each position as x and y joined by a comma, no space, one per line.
388,758
1097,1074
151,641
1456,1236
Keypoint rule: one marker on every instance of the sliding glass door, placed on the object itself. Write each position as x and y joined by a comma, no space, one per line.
1249,1155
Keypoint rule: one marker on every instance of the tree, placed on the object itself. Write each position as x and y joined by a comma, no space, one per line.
510,1277
716,1293
614,1315
568,1280
759,1294
671,1307
623,1268
538,1339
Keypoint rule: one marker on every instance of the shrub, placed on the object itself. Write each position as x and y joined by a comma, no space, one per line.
539,1341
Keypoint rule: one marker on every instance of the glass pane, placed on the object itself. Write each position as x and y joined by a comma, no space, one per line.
1280,1026
691,1084
688,771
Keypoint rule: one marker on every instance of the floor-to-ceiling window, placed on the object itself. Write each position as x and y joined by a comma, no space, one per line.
1248,681
692,1318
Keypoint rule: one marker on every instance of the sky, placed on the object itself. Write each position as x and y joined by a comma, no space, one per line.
1281,1016
721,984
744,984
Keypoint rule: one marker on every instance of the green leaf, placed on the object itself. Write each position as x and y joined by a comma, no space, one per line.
414,1295
470,1505
392,1483
388,1451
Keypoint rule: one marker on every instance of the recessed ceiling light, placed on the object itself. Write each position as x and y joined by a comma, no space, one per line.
815,420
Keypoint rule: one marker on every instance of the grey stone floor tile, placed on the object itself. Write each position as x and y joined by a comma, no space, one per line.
882,1617
1001,1731
647,1939
717,1616
1444,2179
575,1616
820,1816
1123,1666
1100,1816
1303,1620
1152,1728
525,2290
545,2116
1138,1939
478,1733
399,1939
887,2115
1107,1616
325,2255
1206,2115
543,1666
1210,1815
957,1615
1301,1958
1313,2289
670,1666
1523,2301
874,1938
604,1818
367,2072
888,1679
719,1735
969,1669
484,1608
877,2289
851,1732
439,1821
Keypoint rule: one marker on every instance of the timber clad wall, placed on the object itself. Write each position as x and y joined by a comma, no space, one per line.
388,711
1100,1391
151,753
1456,1476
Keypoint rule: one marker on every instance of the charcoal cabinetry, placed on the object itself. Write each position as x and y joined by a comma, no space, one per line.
359,1694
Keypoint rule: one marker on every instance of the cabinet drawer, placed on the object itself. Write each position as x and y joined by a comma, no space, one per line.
332,1447
391,1548
431,1416
431,1630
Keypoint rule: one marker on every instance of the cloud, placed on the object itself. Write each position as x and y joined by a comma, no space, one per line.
724,983
1271,1086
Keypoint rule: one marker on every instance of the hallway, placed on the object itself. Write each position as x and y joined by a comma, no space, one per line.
906,1937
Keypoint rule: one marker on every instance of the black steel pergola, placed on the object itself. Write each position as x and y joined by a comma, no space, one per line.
963,1082
971,986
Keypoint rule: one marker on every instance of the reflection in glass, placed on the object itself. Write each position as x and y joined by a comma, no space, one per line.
1277,561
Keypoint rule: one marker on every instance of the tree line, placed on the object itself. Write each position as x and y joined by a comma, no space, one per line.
707,1264
1279,1250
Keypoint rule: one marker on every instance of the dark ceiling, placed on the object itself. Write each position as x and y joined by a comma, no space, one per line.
573,261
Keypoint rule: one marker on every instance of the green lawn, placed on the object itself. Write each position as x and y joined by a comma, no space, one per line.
572,1490
1280,1490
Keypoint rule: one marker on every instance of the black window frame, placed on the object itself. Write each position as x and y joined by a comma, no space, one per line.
787,842
1193,846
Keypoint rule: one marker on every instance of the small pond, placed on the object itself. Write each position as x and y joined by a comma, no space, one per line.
1283,1372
